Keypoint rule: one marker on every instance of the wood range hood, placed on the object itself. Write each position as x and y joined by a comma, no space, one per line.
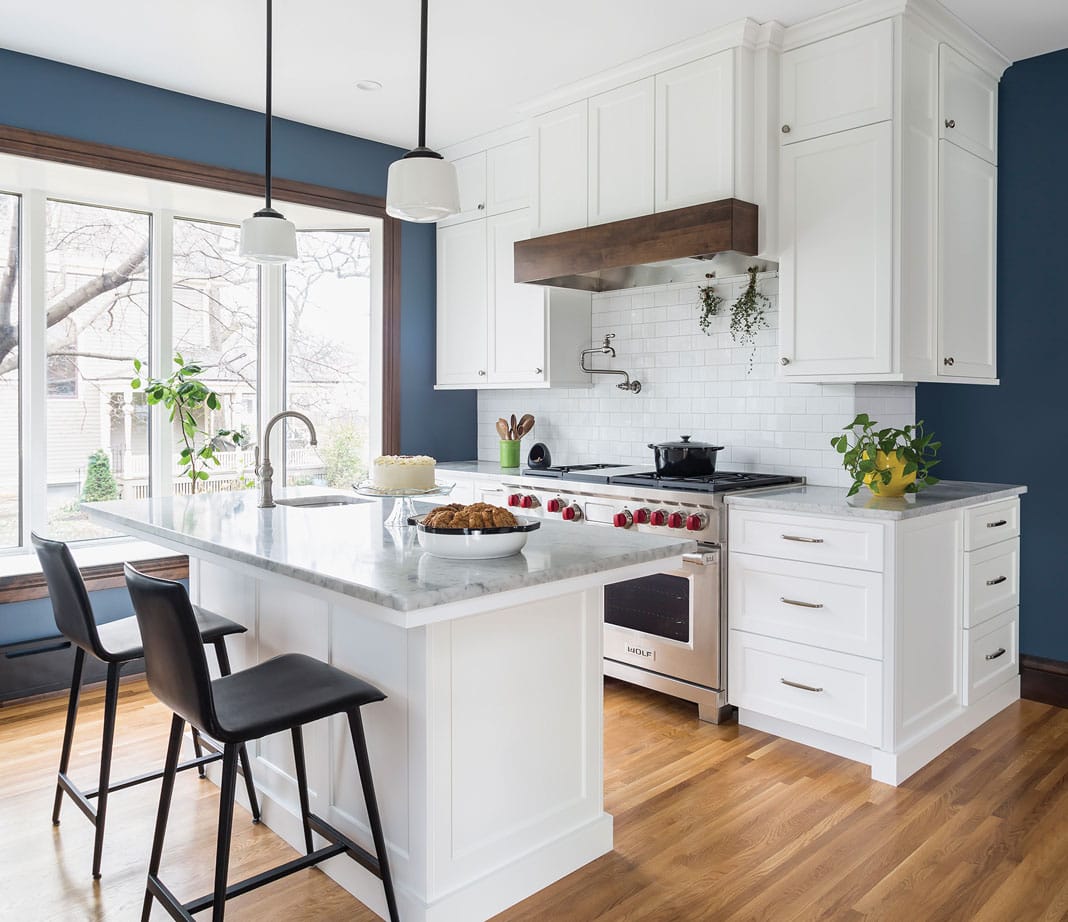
651,250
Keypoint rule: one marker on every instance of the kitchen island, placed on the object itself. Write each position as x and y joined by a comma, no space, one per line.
487,753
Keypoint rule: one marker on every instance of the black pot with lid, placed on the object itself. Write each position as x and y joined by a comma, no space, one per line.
685,458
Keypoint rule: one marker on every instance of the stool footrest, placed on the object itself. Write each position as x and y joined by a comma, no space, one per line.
358,854
152,776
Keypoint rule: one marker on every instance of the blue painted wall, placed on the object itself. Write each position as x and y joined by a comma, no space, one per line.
1016,433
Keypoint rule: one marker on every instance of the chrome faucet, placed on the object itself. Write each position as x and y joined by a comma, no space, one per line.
265,471
606,348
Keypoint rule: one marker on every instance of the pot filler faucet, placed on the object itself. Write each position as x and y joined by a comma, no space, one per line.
265,471
607,348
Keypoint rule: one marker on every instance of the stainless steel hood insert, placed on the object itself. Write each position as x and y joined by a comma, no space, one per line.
637,251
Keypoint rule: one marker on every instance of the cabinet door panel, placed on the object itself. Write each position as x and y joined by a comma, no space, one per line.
471,184
517,312
695,132
621,153
838,83
561,172
967,221
968,105
837,253
507,176
461,309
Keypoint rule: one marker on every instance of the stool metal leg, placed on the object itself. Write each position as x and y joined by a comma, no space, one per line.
68,730
111,703
363,763
226,823
198,750
246,764
170,771
302,785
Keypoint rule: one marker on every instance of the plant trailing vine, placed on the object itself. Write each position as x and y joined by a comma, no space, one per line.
749,315
874,453
710,305
183,393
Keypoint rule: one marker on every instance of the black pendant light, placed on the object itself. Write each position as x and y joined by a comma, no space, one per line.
421,186
267,237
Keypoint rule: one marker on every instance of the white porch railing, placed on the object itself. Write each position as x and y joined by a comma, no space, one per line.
135,466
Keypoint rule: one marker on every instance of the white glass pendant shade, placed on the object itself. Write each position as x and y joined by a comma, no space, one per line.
422,187
267,237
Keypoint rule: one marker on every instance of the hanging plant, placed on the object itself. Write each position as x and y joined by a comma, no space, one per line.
710,305
749,315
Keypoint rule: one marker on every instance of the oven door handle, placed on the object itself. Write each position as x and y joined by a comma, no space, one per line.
702,558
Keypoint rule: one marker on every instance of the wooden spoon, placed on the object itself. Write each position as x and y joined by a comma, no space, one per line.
512,429
525,424
502,429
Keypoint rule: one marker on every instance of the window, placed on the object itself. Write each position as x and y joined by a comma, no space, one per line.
97,320
10,474
328,357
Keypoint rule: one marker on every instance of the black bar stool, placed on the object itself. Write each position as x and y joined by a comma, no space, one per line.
283,693
115,643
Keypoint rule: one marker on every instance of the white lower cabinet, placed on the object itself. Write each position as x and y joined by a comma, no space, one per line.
887,648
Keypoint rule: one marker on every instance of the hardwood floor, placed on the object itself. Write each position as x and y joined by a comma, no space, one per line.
712,823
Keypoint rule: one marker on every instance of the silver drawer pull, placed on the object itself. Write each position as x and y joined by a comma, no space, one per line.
800,604
996,580
802,539
800,685
999,652
996,524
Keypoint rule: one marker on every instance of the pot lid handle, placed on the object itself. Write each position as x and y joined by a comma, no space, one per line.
685,438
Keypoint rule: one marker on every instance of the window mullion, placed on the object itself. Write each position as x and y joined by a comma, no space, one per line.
161,348
272,359
33,349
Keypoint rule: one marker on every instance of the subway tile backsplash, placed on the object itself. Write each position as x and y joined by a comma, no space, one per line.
696,384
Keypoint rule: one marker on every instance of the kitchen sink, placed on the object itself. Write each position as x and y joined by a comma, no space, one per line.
317,502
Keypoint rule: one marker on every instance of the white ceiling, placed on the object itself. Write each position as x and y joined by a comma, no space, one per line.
485,55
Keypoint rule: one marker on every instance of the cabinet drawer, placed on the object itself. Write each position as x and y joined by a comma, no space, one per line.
989,524
991,655
991,581
832,692
833,607
838,542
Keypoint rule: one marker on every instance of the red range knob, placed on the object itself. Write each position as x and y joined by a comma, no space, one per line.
553,505
622,519
658,518
513,499
675,520
526,502
641,516
572,513
696,521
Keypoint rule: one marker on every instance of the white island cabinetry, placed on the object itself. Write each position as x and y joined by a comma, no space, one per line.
883,634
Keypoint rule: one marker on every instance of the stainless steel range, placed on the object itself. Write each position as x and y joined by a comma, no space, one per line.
667,631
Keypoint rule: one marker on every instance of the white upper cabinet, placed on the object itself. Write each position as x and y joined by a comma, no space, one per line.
695,141
560,152
838,83
621,153
967,298
471,180
968,105
836,249
461,304
508,176
516,312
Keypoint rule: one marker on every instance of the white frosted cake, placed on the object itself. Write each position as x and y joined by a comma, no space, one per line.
403,472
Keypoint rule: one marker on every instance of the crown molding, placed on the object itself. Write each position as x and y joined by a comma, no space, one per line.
960,35
518,131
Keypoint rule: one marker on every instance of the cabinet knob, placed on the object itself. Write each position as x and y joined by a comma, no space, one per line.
481,373
785,129
537,371
951,123
481,206
784,361
948,360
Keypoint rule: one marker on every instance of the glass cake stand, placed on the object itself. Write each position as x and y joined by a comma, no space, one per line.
404,505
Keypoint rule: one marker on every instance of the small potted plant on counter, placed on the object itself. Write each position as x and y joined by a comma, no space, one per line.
890,462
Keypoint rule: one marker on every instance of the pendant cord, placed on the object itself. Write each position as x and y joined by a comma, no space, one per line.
422,77
267,129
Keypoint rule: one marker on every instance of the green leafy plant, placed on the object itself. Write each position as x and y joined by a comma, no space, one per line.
183,394
100,483
710,305
873,454
749,315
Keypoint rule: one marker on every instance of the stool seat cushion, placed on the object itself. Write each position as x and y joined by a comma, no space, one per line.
283,692
121,639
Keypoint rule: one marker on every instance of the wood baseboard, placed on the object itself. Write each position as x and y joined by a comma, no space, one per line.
1044,680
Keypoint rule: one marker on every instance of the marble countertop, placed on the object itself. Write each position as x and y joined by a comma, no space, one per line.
347,549
814,500
489,470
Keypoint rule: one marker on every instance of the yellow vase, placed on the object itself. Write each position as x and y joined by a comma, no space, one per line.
899,480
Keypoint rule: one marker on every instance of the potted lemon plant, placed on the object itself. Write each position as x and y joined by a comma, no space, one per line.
890,462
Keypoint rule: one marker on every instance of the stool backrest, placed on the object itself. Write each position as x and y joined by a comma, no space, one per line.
175,663
70,600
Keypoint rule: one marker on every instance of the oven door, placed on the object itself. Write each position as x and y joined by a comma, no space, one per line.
669,623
